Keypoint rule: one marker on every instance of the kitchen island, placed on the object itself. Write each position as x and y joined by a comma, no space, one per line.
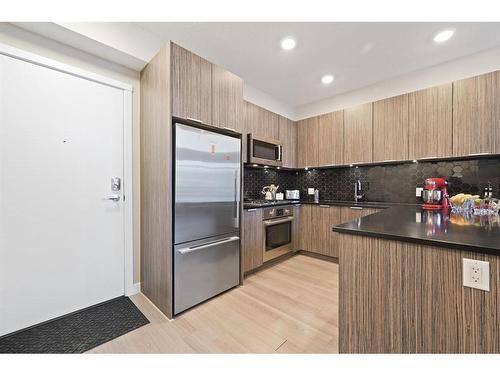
401,285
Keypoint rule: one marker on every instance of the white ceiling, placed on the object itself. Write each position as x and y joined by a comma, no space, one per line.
358,54
362,56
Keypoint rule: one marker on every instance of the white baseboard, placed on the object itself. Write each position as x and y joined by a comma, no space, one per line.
133,289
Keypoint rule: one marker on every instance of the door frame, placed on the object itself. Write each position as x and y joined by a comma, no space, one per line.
128,201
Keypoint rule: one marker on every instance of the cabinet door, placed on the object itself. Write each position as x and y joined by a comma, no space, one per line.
296,229
476,115
253,239
307,147
390,129
288,138
430,122
306,228
227,99
358,134
270,123
328,240
191,85
261,122
330,141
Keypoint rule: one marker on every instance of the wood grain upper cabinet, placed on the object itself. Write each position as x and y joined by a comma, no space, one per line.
288,138
430,122
307,137
390,129
476,114
227,99
270,121
260,122
330,141
191,85
253,239
358,135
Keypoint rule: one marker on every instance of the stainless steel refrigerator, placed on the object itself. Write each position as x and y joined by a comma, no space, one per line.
206,214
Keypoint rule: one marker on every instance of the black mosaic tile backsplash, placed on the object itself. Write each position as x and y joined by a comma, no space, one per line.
386,183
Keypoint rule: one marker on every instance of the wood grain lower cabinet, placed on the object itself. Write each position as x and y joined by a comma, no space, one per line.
307,147
476,114
191,85
288,138
227,99
253,239
390,129
316,229
330,139
358,133
430,113
296,227
398,297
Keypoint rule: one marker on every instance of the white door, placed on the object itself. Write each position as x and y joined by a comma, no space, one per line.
61,239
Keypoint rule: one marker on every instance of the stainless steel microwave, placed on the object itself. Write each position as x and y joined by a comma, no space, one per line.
264,151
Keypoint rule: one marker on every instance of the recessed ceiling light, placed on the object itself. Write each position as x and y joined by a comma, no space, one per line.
443,36
327,79
288,43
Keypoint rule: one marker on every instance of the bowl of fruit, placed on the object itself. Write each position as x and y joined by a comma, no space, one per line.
469,203
463,202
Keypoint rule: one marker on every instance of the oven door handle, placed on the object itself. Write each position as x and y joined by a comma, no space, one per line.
277,221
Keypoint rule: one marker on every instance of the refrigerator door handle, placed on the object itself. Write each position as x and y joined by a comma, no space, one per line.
187,250
236,200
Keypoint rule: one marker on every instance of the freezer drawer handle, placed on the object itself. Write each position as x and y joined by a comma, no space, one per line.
210,244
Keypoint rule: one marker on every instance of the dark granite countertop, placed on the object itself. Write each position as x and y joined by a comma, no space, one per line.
412,224
257,204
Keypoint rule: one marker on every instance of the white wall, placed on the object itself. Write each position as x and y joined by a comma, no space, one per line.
465,67
266,101
30,42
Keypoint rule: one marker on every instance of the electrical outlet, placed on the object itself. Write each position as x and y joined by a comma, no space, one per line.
418,192
476,274
310,191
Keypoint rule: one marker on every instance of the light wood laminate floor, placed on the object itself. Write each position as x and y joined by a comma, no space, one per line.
289,308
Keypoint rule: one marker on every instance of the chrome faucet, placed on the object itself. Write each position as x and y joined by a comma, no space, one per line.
357,190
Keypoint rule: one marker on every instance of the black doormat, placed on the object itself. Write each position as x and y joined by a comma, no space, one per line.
79,331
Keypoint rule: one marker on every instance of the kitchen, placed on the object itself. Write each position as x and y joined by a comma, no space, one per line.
363,223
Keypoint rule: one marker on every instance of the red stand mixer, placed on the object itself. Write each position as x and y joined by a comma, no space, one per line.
435,194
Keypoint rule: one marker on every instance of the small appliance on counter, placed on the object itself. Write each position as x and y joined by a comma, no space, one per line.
269,192
435,194
292,194
279,196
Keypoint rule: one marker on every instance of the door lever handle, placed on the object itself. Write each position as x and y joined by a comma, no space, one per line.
114,198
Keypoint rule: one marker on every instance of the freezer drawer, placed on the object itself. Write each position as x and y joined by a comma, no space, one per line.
203,269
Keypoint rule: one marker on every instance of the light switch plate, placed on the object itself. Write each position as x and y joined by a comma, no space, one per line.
418,192
476,274
310,191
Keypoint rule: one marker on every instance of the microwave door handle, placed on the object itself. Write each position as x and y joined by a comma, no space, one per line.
279,152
